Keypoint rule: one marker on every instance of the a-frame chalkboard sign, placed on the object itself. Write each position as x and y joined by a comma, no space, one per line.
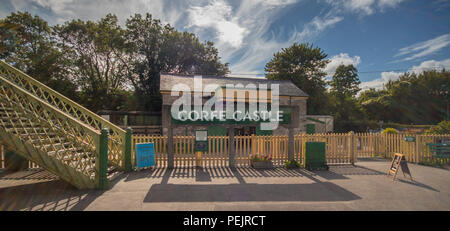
399,161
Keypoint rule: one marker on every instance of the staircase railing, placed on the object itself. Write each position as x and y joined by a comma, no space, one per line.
35,122
117,136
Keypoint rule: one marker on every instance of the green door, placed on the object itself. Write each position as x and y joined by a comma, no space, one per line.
315,155
217,131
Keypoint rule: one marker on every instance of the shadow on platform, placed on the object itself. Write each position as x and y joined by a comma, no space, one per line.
39,190
325,191
316,191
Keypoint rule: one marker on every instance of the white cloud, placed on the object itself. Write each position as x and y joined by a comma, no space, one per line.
360,5
257,54
257,20
389,3
239,29
392,75
425,48
275,2
256,16
364,7
342,58
218,15
380,82
431,65
322,24
318,25
63,10
260,51
55,5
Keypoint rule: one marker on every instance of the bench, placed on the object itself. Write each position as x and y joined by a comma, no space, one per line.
440,150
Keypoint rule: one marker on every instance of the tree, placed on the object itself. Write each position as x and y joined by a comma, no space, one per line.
441,128
375,104
95,51
412,99
345,81
303,65
27,42
154,48
345,109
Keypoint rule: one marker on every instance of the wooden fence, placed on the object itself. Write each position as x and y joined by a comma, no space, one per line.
336,146
341,148
160,144
416,152
338,151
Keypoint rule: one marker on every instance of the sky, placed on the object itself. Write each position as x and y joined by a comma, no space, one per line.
382,38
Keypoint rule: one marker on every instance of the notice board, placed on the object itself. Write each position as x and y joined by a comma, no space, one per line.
399,161
144,155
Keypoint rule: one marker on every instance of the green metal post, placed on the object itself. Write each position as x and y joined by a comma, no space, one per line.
128,167
103,160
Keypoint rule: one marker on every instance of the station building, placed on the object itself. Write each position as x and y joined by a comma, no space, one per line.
291,100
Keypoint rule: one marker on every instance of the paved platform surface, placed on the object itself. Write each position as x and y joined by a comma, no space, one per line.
361,187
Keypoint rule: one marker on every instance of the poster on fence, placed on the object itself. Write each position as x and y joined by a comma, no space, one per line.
145,155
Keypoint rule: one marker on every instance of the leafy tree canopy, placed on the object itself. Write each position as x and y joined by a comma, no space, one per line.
345,81
412,99
94,51
27,42
302,64
94,62
155,48
441,128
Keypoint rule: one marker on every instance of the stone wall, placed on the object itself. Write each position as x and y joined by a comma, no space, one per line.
326,126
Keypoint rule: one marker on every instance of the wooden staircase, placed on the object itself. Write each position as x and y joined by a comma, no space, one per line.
58,134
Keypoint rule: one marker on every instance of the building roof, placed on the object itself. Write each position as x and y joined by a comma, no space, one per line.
287,88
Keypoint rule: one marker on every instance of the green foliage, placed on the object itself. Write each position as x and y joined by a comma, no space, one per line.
155,48
97,63
412,99
105,66
291,164
441,128
303,65
345,81
347,114
373,104
390,131
95,52
409,126
28,44
345,109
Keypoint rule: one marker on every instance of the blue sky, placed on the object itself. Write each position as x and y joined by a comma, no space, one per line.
382,38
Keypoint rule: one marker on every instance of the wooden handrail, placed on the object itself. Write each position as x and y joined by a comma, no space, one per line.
116,151
58,112
60,96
